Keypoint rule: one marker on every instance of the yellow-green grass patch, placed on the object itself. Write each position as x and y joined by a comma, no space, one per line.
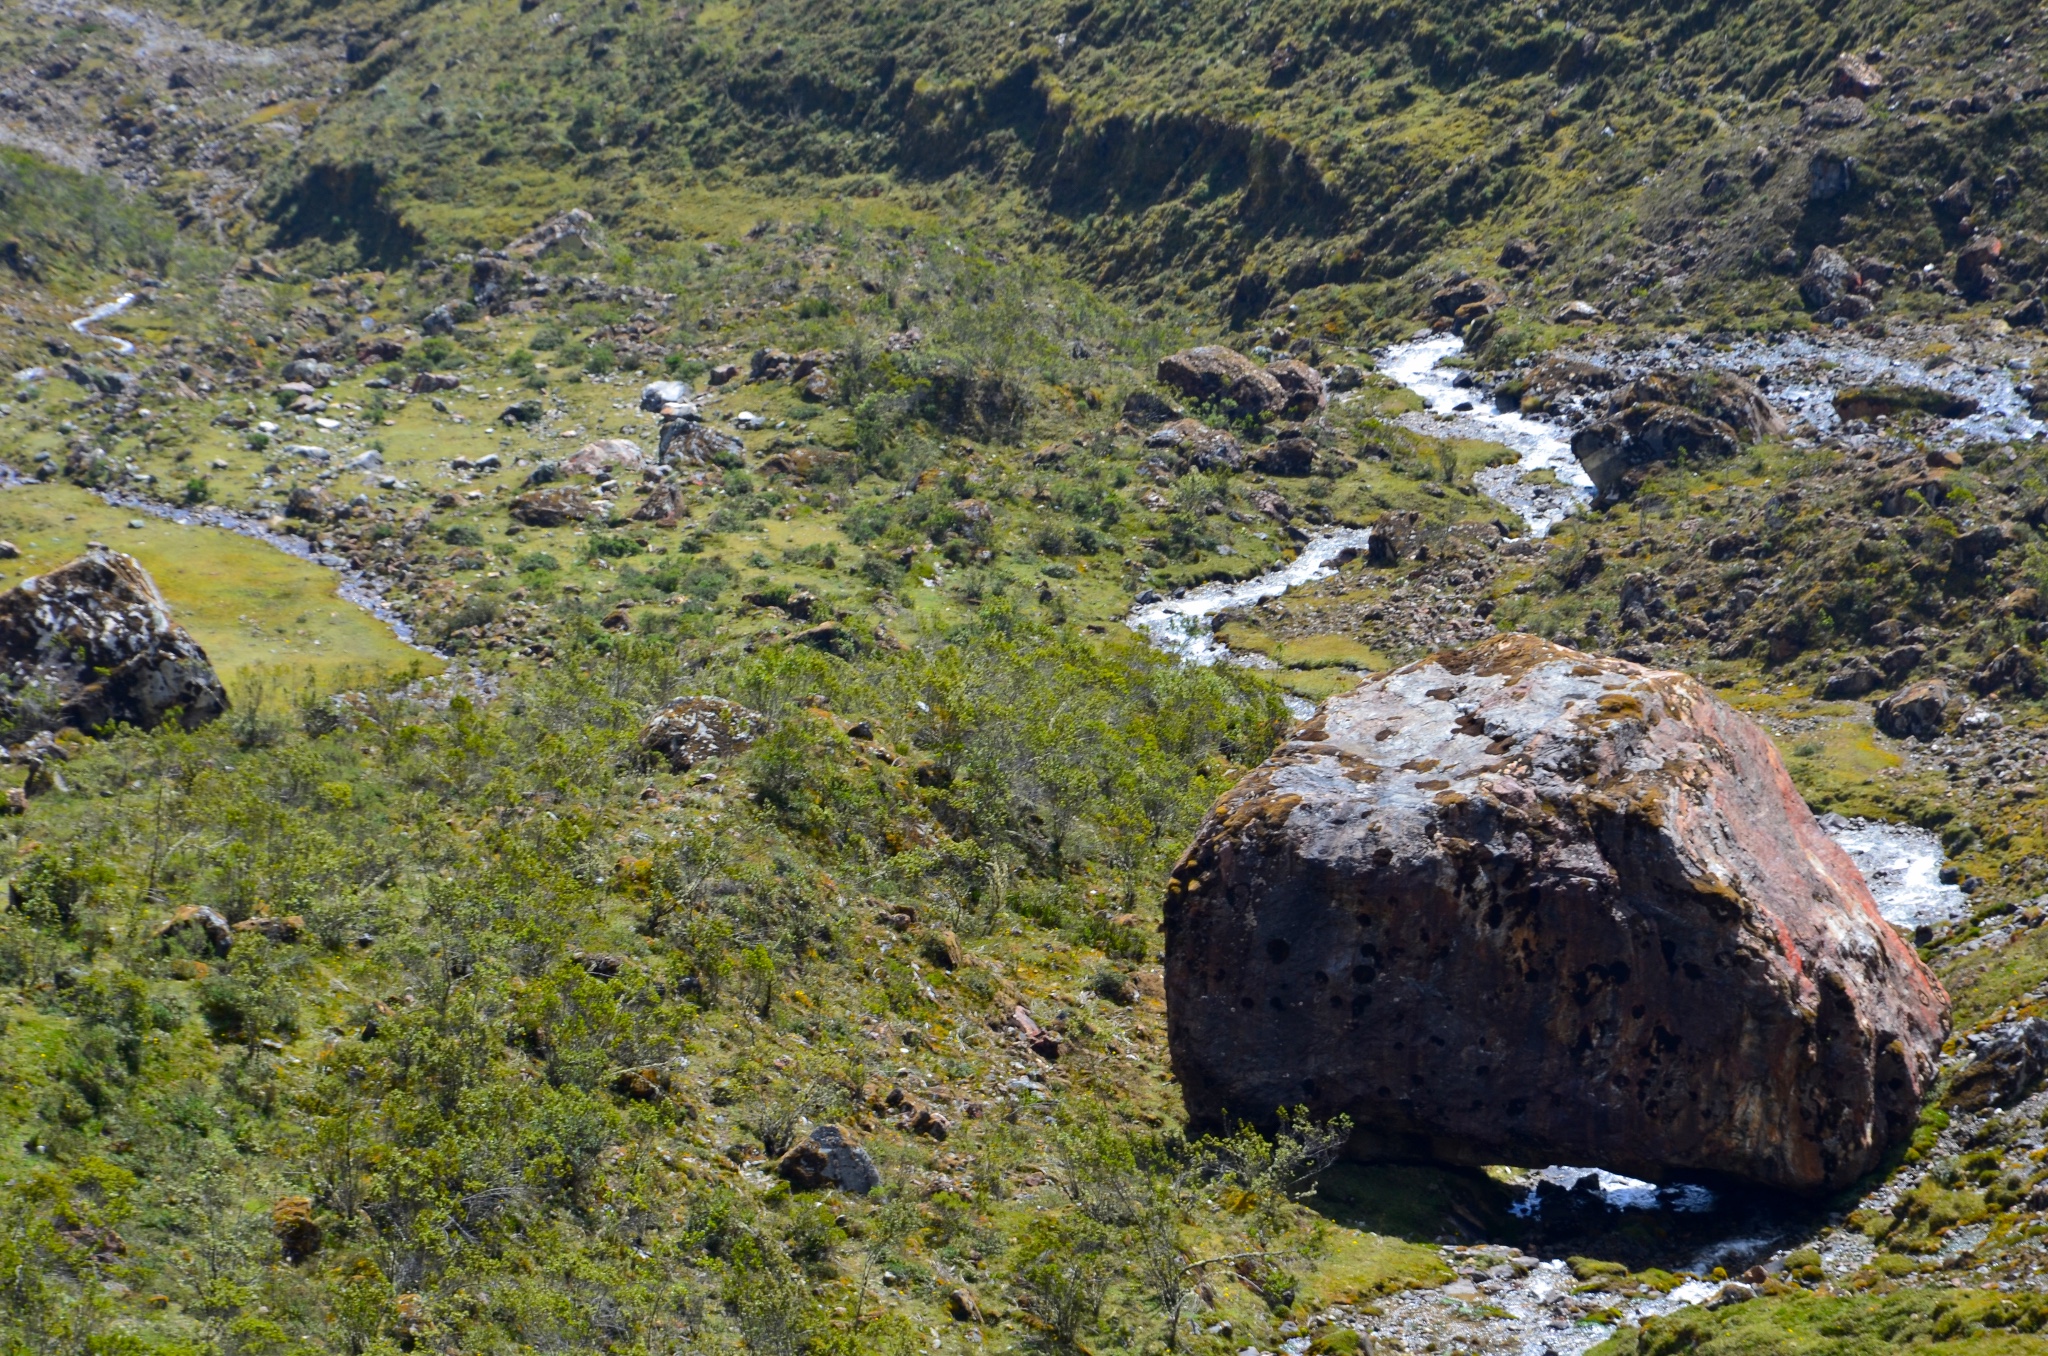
250,605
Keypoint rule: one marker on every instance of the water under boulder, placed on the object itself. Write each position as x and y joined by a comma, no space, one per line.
1517,904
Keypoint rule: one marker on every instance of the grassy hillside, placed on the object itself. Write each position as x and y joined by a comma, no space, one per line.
513,1021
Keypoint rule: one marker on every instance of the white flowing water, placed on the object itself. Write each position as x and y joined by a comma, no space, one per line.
107,311
1544,484
1182,625
1902,866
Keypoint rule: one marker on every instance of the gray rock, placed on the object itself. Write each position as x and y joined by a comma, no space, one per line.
828,1158
92,643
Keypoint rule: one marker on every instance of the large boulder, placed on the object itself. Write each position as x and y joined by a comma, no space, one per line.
1518,904
91,643
1226,377
1204,373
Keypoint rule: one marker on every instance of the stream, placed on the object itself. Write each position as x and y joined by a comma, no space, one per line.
106,311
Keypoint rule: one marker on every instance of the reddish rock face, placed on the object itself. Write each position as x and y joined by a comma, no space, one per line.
1517,904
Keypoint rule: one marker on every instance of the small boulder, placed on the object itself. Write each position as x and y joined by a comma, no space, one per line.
572,232
1303,386
2008,1063
1854,78
527,412
1868,402
603,457
92,643
691,729
1146,410
427,383
827,1158
1916,711
1827,279
553,506
655,394
1198,446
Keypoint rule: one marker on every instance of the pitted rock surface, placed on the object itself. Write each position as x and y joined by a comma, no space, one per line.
1518,904
92,642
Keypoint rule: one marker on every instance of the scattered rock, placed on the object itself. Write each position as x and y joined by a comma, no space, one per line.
1490,905
426,383
1917,711
1577,313
523,412
691,729
827,1158
310,371
656,395
92,643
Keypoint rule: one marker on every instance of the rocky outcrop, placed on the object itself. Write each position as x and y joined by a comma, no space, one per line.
1519,904
92,643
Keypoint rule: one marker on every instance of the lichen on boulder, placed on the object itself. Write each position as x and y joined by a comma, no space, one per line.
1518,904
